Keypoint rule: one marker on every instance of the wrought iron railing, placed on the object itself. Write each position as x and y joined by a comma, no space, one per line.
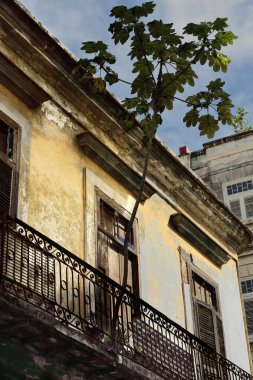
40,272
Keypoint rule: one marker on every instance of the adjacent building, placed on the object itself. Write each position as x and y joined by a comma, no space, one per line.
226,165
69,174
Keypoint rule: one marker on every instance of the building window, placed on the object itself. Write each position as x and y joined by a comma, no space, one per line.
112,222
239,187
247,291
8,168
6,139
207,314
247,286
111,228
239,197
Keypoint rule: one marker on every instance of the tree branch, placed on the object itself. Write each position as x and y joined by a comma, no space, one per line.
127,236
146,59
119,79
190,63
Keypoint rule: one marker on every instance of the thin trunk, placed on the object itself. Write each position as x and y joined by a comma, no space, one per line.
127,235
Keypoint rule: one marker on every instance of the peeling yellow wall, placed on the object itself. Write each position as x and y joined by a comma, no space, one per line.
56,191
57,197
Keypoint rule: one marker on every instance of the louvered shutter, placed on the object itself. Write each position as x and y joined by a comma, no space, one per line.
235,207
29,266
248,303
220,336
249,207
206,328
6,179
210,328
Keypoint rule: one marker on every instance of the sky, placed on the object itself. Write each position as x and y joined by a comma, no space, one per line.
75,21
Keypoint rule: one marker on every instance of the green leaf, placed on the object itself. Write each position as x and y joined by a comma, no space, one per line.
162,62
118,11
191,118
169,104
131,103
202,59
215,85
111,78
220,23
94,47
226,38
239,122
199,30
208,125
149,7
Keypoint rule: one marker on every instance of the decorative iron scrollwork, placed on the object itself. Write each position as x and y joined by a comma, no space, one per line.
40,272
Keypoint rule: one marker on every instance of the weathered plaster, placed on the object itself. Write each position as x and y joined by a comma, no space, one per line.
61,182
56,184
54,114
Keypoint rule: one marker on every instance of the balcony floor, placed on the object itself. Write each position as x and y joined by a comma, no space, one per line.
35,346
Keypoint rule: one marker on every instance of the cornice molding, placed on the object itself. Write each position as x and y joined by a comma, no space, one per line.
20,84
199,239
113,165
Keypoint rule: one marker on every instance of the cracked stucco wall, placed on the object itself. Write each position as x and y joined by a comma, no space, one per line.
57,197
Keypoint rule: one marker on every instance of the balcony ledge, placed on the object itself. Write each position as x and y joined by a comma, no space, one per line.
41,342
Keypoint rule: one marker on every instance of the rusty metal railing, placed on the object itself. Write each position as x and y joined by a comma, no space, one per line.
38,271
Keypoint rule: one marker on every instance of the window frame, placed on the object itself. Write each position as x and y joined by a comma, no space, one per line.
240,196
216,312
246,298
246,279
13,162
133,251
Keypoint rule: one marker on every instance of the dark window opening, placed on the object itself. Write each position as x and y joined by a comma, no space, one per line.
8,169
203,291
114,223
6,139
112,227
111,230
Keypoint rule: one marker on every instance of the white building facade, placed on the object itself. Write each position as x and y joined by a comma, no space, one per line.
226,165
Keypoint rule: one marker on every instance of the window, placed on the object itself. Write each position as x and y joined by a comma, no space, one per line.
239,197
239,187
247,291
247,286
111,227
236,208
207,315
112,222
6,139
8,166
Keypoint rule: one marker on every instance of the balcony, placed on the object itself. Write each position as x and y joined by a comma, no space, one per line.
40,278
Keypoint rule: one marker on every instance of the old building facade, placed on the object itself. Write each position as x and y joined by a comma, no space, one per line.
226,166
69,174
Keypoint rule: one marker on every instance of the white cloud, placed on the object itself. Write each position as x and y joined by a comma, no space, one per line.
239,13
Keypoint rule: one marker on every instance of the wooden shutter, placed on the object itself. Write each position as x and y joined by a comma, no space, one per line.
206,327
236,208
249,207
220,336
210,328
6,179
248,303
